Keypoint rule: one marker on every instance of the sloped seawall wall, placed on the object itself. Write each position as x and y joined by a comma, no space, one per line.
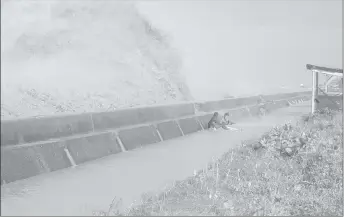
33,146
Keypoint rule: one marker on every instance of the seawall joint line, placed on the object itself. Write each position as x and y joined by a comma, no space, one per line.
119,141
70,158
158,132
199,122
178,125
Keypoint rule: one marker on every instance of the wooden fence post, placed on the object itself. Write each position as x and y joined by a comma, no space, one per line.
314,91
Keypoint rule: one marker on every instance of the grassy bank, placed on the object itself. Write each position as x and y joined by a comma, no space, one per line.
291,170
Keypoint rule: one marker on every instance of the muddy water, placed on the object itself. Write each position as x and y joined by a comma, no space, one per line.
92,186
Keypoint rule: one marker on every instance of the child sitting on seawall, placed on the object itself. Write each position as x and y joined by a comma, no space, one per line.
216,122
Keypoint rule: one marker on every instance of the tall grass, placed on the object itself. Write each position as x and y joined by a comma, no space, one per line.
291,170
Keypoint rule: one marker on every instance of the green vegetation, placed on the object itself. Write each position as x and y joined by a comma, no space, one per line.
291,170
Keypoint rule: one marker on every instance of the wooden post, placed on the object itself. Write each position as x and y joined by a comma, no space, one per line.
342,80
314,91
327,82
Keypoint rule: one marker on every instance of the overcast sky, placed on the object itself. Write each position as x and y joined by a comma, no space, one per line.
250,46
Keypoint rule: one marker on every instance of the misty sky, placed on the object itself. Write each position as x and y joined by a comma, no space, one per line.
243,47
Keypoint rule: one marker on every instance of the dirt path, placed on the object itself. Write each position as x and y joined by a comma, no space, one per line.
92,186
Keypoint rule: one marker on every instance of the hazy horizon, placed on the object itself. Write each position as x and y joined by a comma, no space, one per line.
244,47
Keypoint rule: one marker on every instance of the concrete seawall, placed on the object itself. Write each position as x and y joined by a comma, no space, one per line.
33,146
